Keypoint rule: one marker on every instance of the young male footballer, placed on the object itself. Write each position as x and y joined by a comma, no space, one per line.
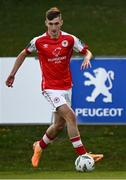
54,49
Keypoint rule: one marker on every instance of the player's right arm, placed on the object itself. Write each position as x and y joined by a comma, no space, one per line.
19,60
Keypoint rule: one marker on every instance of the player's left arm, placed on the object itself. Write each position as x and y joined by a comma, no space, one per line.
86,62
82,48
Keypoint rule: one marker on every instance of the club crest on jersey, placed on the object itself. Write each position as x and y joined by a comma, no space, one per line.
56,100
65,43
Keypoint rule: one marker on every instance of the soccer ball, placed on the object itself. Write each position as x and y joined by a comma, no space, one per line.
84,163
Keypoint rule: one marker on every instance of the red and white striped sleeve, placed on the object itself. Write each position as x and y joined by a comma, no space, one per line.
31,47
79,46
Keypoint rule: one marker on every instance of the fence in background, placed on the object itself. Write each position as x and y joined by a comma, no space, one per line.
99,93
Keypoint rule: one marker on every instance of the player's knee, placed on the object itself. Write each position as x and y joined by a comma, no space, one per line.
70,116
67,113
59,127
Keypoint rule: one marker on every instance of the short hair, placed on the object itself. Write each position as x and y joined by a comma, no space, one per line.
52,13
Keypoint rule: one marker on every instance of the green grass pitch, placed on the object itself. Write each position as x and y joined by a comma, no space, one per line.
58,159
64,175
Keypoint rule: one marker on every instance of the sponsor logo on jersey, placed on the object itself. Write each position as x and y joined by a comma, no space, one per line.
56,52
57,59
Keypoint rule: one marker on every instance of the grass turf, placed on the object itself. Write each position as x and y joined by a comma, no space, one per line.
64,175
58,159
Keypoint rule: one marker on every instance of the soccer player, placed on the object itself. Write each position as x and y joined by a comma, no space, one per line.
54,49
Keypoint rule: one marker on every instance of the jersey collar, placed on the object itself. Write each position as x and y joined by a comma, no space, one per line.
53,38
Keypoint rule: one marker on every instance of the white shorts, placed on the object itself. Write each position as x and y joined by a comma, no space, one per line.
57,97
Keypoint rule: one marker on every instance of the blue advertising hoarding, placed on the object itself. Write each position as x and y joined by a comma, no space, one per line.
99,92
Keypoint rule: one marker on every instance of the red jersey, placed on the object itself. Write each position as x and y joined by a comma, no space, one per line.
54,56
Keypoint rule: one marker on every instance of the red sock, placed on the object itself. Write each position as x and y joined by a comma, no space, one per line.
78,146
45,141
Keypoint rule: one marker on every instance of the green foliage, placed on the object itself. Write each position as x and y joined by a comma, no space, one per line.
101,24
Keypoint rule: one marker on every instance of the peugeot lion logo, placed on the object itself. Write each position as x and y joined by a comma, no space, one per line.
102,80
